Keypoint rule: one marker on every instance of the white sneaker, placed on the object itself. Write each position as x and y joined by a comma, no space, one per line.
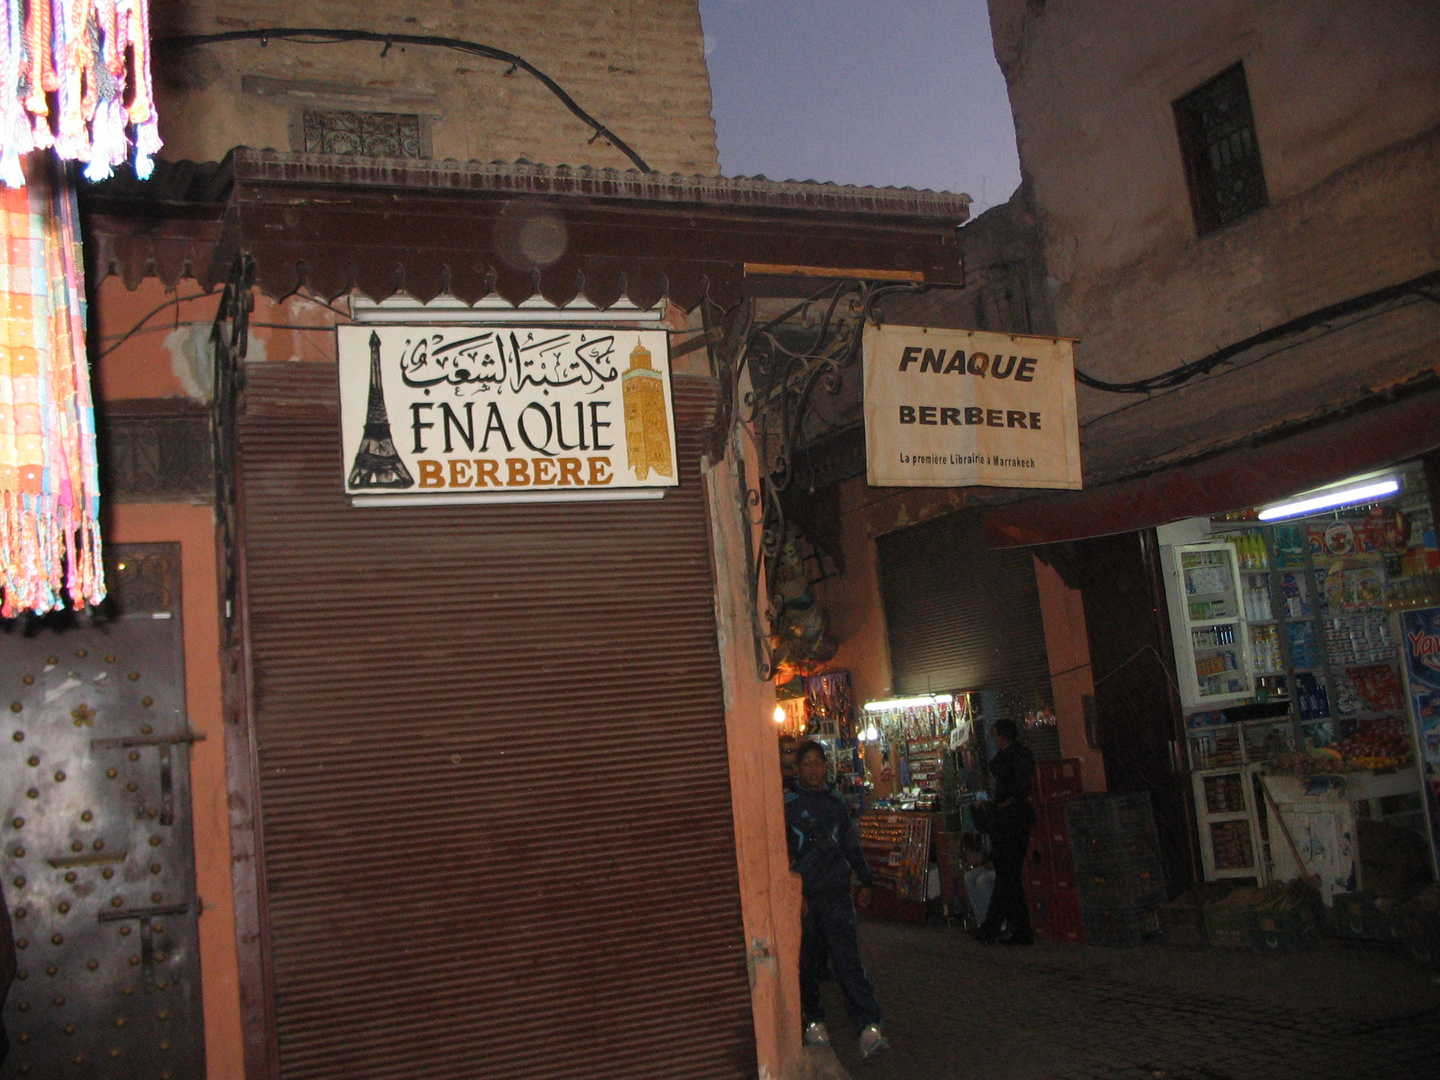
816,1034
873,1041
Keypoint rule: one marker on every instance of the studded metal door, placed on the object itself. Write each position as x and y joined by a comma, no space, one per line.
98,856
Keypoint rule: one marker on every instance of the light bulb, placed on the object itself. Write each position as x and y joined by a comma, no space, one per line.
779,714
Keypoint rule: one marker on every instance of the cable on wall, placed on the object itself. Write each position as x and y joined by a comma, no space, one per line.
1416,287
302,36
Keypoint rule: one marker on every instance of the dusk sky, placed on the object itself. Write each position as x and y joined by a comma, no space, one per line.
883,92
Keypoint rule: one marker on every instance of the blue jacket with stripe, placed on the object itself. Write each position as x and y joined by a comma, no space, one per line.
824,844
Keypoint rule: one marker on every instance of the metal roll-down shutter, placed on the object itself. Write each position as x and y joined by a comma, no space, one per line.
961,616
492,760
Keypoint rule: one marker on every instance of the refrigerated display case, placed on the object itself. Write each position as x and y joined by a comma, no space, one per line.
1212,647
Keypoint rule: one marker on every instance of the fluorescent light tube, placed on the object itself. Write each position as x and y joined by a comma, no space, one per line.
908,702
1329,500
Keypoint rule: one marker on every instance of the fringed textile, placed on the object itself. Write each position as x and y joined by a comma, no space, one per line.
49,483
66,67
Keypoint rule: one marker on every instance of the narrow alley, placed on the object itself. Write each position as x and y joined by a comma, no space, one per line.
956,1010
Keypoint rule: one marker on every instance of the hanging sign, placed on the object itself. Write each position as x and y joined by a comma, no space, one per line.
473,412
956,408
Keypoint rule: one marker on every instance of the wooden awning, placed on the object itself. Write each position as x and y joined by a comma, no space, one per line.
467,230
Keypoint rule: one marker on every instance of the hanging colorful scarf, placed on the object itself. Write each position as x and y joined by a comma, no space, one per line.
49,485
65,67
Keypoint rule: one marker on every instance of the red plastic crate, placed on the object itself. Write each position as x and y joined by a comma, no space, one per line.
1058,856
1066,923
1050,830
1056,781
1038,880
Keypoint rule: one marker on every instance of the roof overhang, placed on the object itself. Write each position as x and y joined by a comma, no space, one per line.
468,230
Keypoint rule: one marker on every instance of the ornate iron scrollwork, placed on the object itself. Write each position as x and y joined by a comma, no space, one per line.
782,369
230,338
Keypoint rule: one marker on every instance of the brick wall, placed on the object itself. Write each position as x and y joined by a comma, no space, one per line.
636,65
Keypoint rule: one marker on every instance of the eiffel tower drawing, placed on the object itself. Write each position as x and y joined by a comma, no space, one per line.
377,464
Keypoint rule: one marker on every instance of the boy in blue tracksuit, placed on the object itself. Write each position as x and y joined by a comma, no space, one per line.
824,851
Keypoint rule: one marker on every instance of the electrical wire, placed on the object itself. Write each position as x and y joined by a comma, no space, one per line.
128,334
1252,361
303,36
1185,372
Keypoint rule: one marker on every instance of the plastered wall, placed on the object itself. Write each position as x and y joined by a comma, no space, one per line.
637,66
1346,102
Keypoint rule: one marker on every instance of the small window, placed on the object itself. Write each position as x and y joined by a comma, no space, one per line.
363,134
1222,155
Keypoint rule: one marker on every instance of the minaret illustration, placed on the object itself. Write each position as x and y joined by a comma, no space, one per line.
647,429
377,464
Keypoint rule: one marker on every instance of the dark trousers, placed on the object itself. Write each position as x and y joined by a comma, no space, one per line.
1008,904
830,922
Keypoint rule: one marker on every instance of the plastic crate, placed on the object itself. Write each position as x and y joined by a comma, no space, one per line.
1363,916
1056,862
1056,781
1419,919
1042,919
1120,927
1287,919
1107,817
1066,922
1227,921
1050,830
1097,853
1183,923
1130,884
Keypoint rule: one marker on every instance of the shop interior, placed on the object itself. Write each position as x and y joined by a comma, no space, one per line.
913,770
1310,747
1309,756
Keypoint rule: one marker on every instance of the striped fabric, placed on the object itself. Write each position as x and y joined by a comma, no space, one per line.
49,486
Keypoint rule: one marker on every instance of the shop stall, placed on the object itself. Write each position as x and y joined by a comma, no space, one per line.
1307,757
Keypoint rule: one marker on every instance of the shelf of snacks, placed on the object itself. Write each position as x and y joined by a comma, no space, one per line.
1212,642
1381,744
1228,826
1317,598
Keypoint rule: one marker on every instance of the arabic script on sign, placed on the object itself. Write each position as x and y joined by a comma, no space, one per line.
510,360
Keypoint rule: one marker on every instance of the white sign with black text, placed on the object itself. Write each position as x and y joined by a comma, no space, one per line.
957,408
470,413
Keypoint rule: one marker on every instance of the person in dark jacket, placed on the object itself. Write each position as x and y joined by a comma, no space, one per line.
825,851
1011,819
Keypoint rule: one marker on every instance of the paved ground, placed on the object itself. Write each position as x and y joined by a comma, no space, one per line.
956,1010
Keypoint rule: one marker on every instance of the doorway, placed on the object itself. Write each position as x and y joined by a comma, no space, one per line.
98,860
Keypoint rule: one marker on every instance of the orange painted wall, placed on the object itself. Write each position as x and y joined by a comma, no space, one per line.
193,528
1068,649
138,333
139,353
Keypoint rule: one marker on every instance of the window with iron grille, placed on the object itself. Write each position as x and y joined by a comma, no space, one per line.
363,134
1222,155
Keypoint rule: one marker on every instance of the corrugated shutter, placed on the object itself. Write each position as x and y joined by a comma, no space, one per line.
492,761
961,616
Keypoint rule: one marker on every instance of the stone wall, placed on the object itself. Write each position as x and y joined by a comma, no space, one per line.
637,66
